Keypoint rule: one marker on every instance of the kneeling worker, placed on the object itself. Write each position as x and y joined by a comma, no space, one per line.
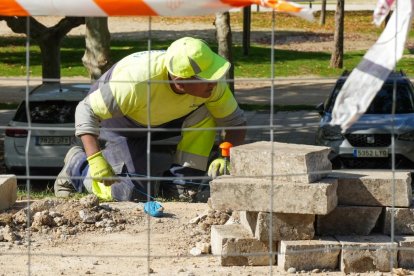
182,87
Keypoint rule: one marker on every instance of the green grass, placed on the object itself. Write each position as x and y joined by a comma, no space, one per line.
34,194
42,193
255,65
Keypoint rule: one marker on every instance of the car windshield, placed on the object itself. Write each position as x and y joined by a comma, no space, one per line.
48,112
382,103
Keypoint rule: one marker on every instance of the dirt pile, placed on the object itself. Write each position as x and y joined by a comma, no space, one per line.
61,219
211,217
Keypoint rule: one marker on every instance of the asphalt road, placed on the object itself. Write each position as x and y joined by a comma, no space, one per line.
286,91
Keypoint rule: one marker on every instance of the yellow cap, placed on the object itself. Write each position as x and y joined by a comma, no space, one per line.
191,57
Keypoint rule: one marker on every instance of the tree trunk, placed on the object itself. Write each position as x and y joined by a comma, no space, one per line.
224,39
247,19
338,51
50,53
97,38
322,18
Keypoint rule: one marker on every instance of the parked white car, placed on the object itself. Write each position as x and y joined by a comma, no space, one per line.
386,129
50,135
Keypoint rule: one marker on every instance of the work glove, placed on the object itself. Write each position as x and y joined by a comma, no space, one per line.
99,169
218,167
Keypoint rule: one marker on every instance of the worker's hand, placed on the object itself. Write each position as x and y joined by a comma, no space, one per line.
217,167
100,169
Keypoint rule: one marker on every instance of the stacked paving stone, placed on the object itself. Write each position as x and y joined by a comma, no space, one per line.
296,213
362,220
8,191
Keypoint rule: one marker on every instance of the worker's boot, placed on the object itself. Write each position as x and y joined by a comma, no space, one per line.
64,186
179,184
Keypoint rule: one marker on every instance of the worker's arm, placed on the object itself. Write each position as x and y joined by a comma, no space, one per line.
99,169
226,113
87,128
86,121
90,144
235,136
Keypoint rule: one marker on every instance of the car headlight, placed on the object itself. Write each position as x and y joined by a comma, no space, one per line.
329,132
408,136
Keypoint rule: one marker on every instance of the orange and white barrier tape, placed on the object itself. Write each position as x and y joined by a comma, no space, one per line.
103,8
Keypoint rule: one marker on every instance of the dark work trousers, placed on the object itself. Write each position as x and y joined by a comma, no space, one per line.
126,152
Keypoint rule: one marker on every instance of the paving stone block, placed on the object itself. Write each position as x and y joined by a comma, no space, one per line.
236,246
373,188
254,194
8,191
321,253
348,220
403,221
285,226
405,251
249,220
367,253
291,162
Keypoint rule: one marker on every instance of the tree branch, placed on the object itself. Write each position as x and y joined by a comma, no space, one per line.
18,25
66,24
37,29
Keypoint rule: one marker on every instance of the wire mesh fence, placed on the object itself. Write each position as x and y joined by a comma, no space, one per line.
270,220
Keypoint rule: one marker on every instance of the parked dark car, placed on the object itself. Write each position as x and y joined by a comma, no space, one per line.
52,118
379,134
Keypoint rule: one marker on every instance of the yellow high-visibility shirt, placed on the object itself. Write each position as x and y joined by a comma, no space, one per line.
144,73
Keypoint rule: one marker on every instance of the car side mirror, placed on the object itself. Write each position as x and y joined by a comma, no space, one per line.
320,108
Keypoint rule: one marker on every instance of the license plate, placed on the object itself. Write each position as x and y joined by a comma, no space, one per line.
53,140
371,153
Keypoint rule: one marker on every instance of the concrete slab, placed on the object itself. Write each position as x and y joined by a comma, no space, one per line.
249,220
373,188
235,246
367,253
348,220
8,191
265,195
403,221
405,251
286,162
284,226
321,253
